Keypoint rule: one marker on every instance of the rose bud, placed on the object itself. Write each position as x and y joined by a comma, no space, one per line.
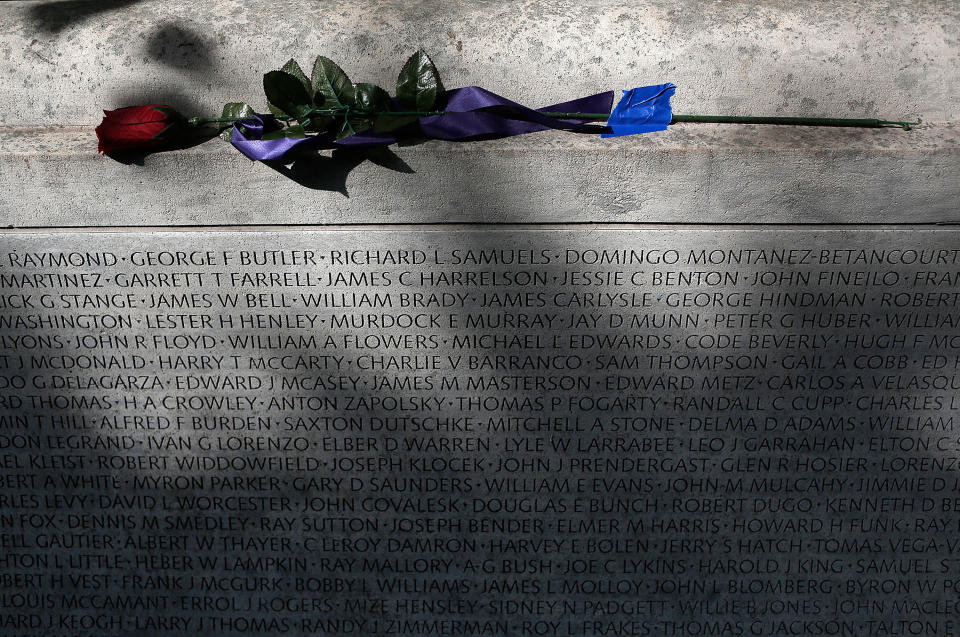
141,128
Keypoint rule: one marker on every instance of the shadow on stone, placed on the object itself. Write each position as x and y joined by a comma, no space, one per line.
57,16
177,46
184,103
322,172
138,157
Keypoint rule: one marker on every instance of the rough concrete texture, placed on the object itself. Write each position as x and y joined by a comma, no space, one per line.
691,173
64,60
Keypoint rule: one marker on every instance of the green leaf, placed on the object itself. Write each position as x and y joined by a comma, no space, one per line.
389,122
331,84
418,83
356,125
170,113
290,131
319,123
233,109
237,109
286,93
371,98
294,69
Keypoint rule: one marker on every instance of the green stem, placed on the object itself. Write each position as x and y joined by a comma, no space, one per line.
576,115
200,121
782,121
418,113
792,121
677,119
725,119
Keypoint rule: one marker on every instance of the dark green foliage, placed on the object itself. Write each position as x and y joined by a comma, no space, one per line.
287,93
418,83
328,102
332,84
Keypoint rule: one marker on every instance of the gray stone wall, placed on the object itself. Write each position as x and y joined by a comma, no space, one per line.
697,382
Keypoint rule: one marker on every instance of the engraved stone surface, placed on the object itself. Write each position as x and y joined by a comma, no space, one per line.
510,431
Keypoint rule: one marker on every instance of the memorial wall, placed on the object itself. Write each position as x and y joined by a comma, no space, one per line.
667,431
704,382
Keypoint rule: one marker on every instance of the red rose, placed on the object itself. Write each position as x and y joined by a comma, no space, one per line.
140,128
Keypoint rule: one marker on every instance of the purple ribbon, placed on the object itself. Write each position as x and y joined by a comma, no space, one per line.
258,149
472,112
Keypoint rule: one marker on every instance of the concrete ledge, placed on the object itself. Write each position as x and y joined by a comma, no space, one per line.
692,173
62,61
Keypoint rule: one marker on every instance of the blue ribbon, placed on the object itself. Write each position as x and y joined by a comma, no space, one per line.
642,110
